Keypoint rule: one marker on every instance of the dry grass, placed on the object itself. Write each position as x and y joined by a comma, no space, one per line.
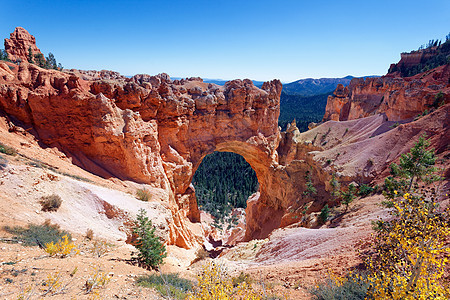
50,203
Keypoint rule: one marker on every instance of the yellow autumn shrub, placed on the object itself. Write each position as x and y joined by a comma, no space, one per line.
214,283
62,248
410,252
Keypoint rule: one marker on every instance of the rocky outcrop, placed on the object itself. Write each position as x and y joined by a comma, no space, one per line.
154,130
18,44
399,98
150,129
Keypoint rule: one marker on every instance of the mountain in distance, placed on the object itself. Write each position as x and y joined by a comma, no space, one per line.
313,86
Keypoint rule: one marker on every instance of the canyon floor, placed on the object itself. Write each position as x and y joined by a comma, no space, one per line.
288,263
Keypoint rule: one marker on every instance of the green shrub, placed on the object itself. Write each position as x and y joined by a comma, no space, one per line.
353,287
50,203
365,190
168,285
37,235
324,214
7,150
151,251
143,195
241,279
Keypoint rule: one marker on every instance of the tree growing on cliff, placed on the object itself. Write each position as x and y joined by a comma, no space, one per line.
30,55
151,251
348,196
310,190
335,187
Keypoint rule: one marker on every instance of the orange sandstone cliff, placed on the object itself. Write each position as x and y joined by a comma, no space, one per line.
398,97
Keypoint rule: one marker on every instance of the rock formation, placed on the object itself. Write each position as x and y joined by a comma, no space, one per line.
156,131
152,130
18,44
399,98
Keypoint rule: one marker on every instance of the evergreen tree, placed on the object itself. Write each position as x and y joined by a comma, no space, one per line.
348,196
30,55
4,55
51,61
310,189
40,60
151,250
418,164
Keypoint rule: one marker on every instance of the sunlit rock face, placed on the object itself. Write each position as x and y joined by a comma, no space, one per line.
151,129
19,44
398,97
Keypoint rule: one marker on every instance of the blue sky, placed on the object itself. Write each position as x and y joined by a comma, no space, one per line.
260,40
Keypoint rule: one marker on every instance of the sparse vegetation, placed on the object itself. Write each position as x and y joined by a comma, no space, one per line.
99,248
143,195
7,150
151,251
54,284
62,248
97,279
37,235
48,62
242,278
335,187
352,287
50,203
365,190
201,254
439,100
89,234
168,285
439,54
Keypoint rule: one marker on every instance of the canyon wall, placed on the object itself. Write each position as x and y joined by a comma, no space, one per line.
397,97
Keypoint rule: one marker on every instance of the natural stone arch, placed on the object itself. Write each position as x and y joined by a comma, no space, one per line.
154,130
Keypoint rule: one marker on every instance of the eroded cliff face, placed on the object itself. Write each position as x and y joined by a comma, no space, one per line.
399,98
151,129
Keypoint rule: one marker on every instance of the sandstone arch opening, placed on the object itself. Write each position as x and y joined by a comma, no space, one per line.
224,181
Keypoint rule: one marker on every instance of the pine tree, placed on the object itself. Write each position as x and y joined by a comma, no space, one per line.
51,61
30,55
418,164
348,196
310,189
151,250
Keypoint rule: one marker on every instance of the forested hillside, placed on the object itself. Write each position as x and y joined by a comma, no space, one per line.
312,87
224,180
303,109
